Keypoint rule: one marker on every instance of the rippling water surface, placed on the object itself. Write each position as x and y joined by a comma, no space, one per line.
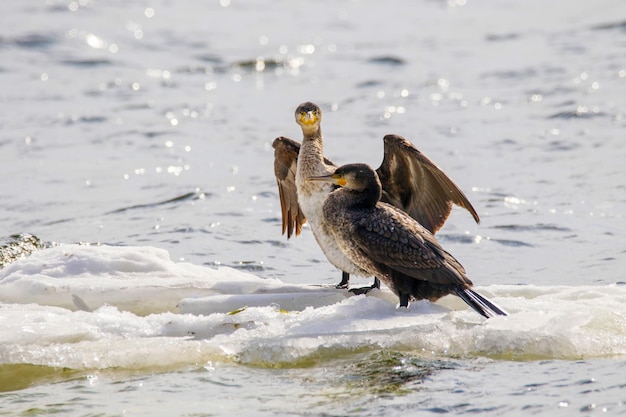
145,130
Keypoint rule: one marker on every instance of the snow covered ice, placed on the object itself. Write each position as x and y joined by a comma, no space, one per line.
97,307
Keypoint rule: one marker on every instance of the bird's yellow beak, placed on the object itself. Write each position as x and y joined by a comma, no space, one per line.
332,178
308,118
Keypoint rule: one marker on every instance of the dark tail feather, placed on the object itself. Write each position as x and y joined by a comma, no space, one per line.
480,304
497,310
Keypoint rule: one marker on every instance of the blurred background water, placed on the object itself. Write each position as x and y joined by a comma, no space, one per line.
150,124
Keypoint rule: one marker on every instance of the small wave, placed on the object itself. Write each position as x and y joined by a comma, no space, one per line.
548,227
195,195
562,145
387,60
580,113
369,84
518,74
252,266
215,64
500,37
512,242
33,41
262,64
212,59
85,119
87,63
471,239
621,25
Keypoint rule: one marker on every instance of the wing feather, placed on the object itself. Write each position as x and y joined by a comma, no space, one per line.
285,159
285,162
415,184
389,237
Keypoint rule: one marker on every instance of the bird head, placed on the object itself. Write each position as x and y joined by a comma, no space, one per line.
308,116
355,177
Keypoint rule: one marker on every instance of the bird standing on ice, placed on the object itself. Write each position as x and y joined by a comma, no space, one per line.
382,240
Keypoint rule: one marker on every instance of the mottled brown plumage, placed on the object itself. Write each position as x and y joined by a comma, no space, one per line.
386,242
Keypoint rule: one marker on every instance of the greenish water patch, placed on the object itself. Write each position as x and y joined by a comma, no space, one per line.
391,373
351,383
15,377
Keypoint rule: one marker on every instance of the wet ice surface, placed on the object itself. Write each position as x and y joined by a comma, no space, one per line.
72,299
150,125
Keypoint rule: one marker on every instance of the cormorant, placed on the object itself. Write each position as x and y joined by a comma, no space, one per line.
410,181
384,241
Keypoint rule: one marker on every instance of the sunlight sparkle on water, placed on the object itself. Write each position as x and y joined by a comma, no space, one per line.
514,202
158,73
306,49
94,41
75,5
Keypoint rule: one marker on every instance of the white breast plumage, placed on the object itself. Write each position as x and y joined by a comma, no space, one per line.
311,197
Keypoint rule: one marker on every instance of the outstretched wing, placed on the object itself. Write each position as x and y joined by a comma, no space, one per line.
285,160
415,184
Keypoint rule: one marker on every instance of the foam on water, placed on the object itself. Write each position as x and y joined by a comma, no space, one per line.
44,298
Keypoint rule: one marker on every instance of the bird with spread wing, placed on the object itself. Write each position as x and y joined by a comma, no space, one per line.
410,182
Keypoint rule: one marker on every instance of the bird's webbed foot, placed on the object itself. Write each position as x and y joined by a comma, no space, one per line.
365,290
345,279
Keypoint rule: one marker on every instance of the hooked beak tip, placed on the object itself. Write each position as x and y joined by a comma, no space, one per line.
318,179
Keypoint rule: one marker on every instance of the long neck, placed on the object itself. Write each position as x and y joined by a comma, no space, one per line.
311,157
312,140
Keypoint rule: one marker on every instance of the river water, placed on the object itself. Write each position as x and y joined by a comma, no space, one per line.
136,142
